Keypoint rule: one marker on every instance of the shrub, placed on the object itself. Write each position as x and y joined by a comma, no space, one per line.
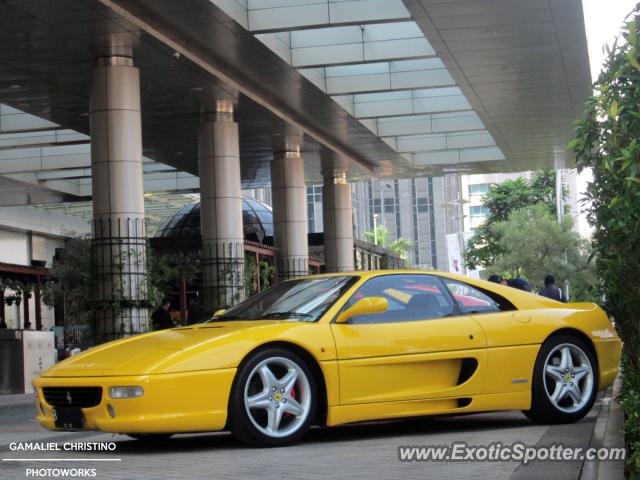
607,141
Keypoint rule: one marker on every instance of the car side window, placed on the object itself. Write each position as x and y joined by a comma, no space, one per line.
471,299
411,298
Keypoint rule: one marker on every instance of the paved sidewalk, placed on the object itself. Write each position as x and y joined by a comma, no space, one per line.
368,451
17,399
608,432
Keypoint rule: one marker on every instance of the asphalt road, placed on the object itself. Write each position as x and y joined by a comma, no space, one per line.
366,451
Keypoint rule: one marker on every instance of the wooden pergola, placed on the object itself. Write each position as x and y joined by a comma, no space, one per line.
260,251
25,275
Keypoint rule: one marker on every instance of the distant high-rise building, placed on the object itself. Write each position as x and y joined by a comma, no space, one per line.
408,208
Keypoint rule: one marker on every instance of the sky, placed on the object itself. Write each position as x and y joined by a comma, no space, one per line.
603,19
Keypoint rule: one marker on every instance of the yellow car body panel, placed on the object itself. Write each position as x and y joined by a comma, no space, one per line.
438,406
369,371
170,402
194,348
407,360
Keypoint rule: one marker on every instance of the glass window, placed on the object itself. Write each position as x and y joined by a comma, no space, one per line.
478,211
172,226
471,299
303,300
479,189
410,297
250,221
266,221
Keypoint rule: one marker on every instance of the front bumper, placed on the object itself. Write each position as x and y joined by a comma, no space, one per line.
172,403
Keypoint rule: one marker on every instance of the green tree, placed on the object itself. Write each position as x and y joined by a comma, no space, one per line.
402,246
534,244
251,274
380,237
484,248
73,274
164,271
607,142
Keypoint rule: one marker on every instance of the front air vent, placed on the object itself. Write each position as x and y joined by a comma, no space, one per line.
83,397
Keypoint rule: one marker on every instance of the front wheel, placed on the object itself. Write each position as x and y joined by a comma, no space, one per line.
273,399
564,380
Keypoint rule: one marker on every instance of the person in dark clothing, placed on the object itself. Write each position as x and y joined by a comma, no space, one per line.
198,312
520,284
551,290
497,279
161,319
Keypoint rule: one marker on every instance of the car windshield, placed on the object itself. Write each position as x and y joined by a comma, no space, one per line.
304,300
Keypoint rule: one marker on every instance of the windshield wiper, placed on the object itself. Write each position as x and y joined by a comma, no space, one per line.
286,315
228,317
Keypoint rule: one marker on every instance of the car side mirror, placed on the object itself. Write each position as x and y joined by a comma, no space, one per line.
219,312
364,306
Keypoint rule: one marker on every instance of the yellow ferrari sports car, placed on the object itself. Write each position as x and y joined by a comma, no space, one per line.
340,348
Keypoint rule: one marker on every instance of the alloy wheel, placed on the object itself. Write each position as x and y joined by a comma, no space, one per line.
568,377
277,397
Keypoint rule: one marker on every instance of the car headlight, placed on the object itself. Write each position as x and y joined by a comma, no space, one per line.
126,392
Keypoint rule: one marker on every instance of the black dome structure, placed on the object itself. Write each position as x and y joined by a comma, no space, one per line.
257,219
181,232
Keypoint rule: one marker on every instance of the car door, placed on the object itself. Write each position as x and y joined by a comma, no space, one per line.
509,361
422,347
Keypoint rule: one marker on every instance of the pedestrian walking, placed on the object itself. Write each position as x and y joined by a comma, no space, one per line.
551,290
161,318
497,279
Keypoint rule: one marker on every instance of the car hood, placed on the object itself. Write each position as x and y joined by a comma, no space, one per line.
170,351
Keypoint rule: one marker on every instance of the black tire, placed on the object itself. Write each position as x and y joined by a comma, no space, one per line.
242,426
543,410
150,437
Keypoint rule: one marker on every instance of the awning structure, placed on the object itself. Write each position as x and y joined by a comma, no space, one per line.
373,59
522,65
400,88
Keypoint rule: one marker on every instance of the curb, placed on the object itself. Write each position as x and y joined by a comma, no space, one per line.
17,399
609,433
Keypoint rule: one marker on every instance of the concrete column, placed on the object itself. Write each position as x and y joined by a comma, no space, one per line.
118,198
221,208
3,323
38,305
25,309
290,225
338,224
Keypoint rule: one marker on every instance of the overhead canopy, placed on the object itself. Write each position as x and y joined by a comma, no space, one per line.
399,88
522,65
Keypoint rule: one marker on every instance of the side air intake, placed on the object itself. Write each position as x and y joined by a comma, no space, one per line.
467,369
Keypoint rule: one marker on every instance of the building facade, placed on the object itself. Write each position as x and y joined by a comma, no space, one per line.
410,208
474,188
364,98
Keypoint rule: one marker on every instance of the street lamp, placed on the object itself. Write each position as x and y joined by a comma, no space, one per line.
375,229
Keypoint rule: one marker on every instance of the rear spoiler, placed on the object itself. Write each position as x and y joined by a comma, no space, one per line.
586,306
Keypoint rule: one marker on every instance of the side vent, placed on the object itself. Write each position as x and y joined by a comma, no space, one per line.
467,369
464,402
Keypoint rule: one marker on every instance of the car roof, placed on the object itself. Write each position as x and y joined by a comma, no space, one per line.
519,298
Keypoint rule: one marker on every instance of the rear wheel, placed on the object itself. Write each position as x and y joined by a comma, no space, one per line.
564,380
273,399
